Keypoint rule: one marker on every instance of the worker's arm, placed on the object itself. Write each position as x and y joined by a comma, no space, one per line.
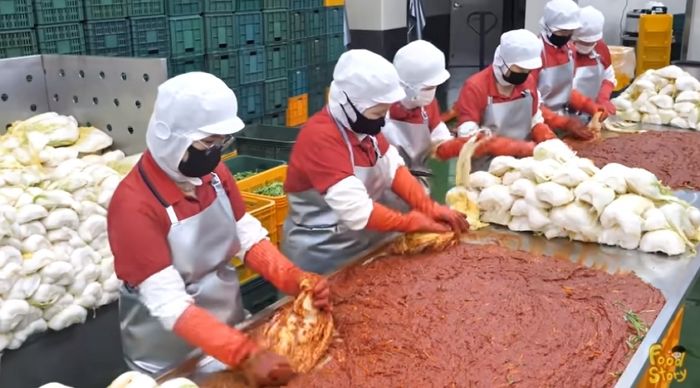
470,106
540,130
571,125
609,81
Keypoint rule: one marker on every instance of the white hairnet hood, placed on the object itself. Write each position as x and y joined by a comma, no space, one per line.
521,48
420,64
189,107
367,79
560,15
592,22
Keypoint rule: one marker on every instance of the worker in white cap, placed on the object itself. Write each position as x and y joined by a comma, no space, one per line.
175,222
594,76
415,127
502,99
555,78
342,173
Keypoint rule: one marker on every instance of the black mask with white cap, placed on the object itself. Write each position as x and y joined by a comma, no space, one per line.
362,124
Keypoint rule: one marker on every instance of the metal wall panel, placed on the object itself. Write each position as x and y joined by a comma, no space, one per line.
22,89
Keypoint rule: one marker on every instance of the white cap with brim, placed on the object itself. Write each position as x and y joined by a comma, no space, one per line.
521,48
561,15
592,23
420,64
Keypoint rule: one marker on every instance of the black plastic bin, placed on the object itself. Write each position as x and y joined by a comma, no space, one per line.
258,294
267,141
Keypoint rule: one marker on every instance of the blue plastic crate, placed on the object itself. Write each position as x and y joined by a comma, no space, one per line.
275,4
335,47
276,94
315,22
251,65
276,26
186,36
316,50
334,20
320,76
250,101
58,11
317,100
250,28
275,118
15,15
305,4
105,9
298,81
183,7
249,5
177,66
297,26
298,54
219,6
224,66
276,61
146,8
220,32
61,39
17,43
109,38
150,36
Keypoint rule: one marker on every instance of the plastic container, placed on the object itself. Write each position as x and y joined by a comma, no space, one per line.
186,36
177,66
276,26
317,100
109,38
146,8
316,50
250,28
249,5
105,9
183,7
623,61
262,209
305,4
220,32
297,28
333,3
58,11
298,54
654,43
277,174
224,66
150,36
275,118
298,81
258,294
219,6
267,141
244,163
276,94
297,110
61,39
276,61
335,47
315,22
251,65
17,43
17,14
334,20
275,4
319,76
250,103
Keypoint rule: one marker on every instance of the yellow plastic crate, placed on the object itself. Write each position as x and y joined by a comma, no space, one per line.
277,174
297,110
229,155
264,211
654,43
333,3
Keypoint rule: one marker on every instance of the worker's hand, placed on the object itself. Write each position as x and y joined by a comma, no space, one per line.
450,148
458,223
541,132
266,368
321,291
609,108
503,146
581,103
419,222
578,130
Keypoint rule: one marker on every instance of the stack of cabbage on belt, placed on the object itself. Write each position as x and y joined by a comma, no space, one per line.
55,260
557,194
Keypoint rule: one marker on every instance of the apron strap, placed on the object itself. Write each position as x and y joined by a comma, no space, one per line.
168,207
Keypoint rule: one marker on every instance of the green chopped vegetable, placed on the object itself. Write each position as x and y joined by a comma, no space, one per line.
245,174
637,325
274,189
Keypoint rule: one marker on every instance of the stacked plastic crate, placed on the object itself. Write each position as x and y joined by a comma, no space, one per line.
248,20
275,36
17,38
59,26
220,40
186,36
150,33
107,31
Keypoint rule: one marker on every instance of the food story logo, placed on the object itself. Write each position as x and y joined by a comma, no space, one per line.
668,366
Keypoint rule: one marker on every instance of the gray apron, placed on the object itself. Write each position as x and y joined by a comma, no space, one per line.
555,84
511,119
201,247
414,144
315,239
589,78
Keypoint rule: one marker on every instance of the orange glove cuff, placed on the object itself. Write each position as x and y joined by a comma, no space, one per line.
265,259
450,148
198,327
541,132
504,146
384,219
406,186
553,120
581,103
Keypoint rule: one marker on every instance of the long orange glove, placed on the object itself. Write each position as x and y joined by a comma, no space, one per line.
451,148
383,219
504,146
571,125
606,89
581,103
541,132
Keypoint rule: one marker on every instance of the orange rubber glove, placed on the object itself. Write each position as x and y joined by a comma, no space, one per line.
199,328
450,148
581,103
571,125
383,219
541,132
504,146
606,89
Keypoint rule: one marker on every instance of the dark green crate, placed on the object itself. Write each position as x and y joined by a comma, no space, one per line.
250,29
276,94
16,14
320,76
315,22
249,5
334,20
109,38
219,6
58,11
150,36
276,61
267,141
105,9
335,47
298,53
250,102
146,7
177,66
251,65
17,43
275,4
305,4
245,163
220,32
316,50
275,118
224,66
317,100
258,294
183,7
298,81
297,28
186,36
276,26
61,39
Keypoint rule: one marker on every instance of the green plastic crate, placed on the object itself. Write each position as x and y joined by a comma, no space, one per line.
317,100
275,4
224,66
276,94
298,54
276,26
249,5
177,66
316,50
315,22
17,43
334,20
219,6
146,7
251,65
276,61
305,4
298,81
58,11
150,36
250,102
61,39
220,32
186,36
320,76
275,118
183,7
335,47
267,141
244,163
16,14
109,38
297,28
249,27
105,9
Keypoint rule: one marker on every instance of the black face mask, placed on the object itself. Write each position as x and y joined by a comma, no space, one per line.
200,163
362,124
515,78
558,40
